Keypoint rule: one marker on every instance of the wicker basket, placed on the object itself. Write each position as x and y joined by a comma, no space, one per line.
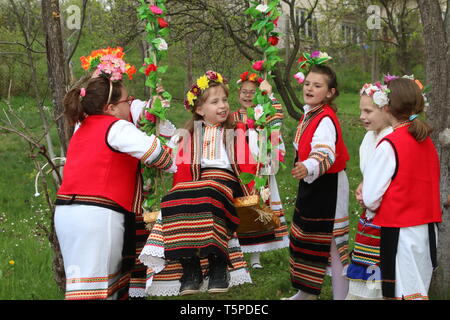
247,201
256,219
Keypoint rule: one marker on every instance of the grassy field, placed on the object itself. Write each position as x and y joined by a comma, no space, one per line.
26,256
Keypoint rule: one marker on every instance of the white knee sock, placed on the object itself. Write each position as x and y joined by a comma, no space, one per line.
338,280
254,260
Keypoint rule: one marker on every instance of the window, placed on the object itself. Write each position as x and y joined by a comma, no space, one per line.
350,33
308,28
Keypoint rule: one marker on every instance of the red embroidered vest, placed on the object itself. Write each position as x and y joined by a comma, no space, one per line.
413,196
305,139
93,168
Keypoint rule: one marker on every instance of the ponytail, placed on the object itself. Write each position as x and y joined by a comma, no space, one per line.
406,102
73,110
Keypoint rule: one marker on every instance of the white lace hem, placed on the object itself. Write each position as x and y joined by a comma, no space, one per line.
137,293
284,243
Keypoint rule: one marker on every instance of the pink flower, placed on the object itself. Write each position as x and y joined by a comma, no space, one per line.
315,54
300,77
389,77
156,9
258,65
250,123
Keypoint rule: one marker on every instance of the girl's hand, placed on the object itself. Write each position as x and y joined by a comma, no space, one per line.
299,171
358,194
265,86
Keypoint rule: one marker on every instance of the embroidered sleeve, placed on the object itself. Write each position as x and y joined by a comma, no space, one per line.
322,155
126,138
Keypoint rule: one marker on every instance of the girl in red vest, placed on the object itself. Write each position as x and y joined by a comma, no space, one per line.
99,202
319,231
263,240
364,270
401,185
193,246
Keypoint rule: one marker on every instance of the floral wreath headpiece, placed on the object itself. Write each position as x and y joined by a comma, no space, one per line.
422,88
378,92
247,76
200,86
108,63
307,60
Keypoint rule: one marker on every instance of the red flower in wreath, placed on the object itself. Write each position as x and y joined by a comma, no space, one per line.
244,76
196,90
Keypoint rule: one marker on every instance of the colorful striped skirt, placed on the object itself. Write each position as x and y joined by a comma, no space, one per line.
321,215
197,218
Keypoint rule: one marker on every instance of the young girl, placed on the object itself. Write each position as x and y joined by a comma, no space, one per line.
98,202
319,231
401,185
265,240
194,239
363,272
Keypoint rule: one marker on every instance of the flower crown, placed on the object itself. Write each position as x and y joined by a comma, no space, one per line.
378,93
247,76
200,86
424,90
108,63
307,60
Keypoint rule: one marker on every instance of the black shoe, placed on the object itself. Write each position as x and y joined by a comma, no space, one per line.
192,278
219,277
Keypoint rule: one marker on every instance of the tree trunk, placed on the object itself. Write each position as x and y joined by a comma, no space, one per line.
438,76
56,64
57,78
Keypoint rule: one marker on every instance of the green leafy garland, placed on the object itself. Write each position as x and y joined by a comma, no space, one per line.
157,28
266,15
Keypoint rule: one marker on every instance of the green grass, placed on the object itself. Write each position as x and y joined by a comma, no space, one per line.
22,241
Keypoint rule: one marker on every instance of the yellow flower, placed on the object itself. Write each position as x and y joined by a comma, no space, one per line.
219,78
191,97
12,262
203,82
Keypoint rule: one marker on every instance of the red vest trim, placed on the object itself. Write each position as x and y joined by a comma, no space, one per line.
304,143
93,168
413,196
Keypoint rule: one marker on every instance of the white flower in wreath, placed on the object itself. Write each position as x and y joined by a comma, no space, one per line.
259,110
380,98
161,44
324,55
265,194
262,8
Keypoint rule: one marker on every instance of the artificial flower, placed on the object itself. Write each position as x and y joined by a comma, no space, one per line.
262,8
196,90
131,70
203,82
324,55
265,194
161,44
258,65
388,78
150,68
156,10
259,110
273,40
150,117
162,23
275,22
315,54
380,98
300,77
211,75
190,98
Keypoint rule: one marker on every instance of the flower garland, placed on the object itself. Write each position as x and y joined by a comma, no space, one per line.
265,15
157,28
108,63
247,76
200,86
